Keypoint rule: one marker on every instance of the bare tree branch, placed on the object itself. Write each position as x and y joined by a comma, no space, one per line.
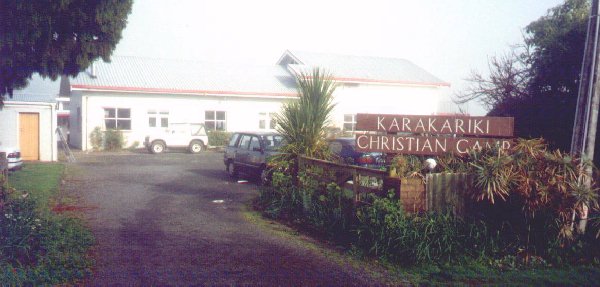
508,77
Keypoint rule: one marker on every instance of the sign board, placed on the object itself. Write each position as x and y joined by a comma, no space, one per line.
448,125
420,145
432,135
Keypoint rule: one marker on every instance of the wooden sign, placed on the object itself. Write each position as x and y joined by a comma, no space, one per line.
420,145
447,125
432,135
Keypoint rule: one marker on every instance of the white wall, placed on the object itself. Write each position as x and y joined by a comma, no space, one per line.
9,126
242,112
75,122
386,99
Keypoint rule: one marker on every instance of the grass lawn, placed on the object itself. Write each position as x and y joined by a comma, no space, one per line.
40,180
39,247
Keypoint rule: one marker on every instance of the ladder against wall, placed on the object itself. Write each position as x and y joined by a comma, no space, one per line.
65,146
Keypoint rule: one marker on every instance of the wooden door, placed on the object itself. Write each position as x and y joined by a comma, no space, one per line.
29,136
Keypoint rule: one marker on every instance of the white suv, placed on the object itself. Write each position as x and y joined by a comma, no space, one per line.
179,135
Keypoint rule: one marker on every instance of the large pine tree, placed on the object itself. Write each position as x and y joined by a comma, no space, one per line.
56,37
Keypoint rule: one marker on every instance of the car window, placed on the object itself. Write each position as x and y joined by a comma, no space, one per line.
198,130
244,142
233,139
272,142
254,143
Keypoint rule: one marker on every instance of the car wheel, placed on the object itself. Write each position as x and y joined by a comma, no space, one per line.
232,170
265,177
196,147
157,147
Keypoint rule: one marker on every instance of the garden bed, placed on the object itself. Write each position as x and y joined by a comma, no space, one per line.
513,231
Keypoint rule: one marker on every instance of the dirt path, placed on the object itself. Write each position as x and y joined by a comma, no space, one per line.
155,223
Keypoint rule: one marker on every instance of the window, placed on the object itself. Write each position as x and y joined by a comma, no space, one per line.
244,142
215,120
116,118
233,139
254,144
267,118
349,122
158,118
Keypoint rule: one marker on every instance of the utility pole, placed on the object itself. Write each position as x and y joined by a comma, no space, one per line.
588,99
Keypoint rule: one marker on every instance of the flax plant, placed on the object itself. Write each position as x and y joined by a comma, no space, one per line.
303,122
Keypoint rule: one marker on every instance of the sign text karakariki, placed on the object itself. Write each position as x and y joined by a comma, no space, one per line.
449,125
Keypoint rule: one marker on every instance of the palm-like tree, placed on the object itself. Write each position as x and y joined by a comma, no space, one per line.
302,123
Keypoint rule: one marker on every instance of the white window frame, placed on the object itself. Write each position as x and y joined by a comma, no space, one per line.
215,121
267,117
116,118
352,123
158,117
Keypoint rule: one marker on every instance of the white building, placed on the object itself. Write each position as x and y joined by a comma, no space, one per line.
28,121
137,95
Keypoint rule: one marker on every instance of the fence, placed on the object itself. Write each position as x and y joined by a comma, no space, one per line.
447,192
441,192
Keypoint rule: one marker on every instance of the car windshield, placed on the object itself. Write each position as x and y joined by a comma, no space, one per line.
272,142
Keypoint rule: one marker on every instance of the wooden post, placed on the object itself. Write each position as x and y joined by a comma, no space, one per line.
3,169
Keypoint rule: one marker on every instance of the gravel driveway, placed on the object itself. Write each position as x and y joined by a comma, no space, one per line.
155,223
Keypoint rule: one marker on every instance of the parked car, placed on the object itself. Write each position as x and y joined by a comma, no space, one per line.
344,148
13,156
247,152
188,136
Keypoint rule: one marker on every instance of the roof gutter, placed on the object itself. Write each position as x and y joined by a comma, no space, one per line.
138,90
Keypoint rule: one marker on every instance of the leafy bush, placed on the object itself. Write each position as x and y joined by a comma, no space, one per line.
324,208
521,213
282,200
110,140
113,140
97,139
218,138
385,230
18,225
380,227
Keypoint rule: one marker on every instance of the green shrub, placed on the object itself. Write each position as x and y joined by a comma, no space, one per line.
519,213
324,208
218,138
385,230
113,140
97,139
110,140
19,230
281,200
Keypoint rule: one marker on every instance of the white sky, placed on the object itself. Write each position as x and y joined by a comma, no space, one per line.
447,38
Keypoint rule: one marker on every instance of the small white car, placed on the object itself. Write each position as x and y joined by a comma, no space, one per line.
189,136
13,155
